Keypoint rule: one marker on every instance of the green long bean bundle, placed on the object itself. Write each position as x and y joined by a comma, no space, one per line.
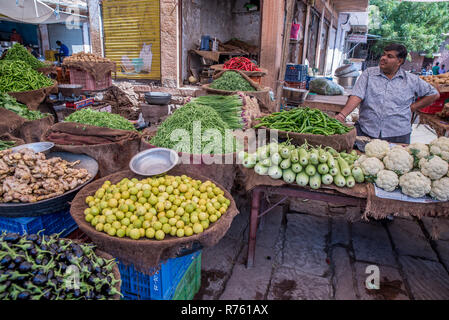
18,76
303,120
19,53
228,107
185,118
100,119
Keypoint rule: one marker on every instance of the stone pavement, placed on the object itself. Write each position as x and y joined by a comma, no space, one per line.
322,256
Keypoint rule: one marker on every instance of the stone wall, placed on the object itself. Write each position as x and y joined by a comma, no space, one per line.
169,43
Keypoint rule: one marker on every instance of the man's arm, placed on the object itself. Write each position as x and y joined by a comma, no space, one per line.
427,93
424,102
351,104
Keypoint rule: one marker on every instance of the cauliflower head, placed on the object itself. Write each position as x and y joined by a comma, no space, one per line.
440,189
377,148
415,184
359,161
387,180
419,149
434,167
398,160
371,166
440,147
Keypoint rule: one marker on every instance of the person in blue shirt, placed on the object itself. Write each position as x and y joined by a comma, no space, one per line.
63,51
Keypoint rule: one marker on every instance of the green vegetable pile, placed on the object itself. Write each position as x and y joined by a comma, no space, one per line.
19,53
185,118
228,107
303,120
232,81
34,267
100,119
18,76
305,165
11,104
6,145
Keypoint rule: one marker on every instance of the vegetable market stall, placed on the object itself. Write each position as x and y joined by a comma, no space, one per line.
394,179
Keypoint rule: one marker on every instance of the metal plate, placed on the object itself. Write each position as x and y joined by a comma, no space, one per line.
43,147
153,161
56,204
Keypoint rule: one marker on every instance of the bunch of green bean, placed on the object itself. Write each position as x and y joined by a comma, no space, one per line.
303,120
18,76
6,144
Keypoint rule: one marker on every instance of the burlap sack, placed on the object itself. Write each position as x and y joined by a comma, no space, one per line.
223,169
96,69
146,254
32,99
379,208
113,149
20,129
339,142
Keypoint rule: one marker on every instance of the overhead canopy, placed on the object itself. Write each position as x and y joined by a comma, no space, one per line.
34,11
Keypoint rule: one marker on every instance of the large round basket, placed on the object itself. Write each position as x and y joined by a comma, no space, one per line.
146,254
35,97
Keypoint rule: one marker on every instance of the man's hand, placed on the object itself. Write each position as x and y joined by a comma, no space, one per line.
423,102
341,117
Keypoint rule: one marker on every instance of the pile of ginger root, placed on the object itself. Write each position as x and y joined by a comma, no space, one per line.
26,176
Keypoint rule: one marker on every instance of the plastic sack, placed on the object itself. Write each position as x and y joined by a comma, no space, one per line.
325,87
127,65
294,33
147,56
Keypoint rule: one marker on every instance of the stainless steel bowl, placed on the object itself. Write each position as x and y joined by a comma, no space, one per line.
347,82
294,95
43,147
154,161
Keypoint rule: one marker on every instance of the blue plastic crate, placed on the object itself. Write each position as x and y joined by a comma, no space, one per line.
296,73
161,286
50,223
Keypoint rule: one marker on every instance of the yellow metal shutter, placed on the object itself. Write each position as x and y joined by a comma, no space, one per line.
132,28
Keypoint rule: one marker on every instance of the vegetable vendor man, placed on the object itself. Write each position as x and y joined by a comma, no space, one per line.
63,51
387,97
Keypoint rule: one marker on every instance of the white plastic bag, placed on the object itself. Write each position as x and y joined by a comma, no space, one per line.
147,56
127,65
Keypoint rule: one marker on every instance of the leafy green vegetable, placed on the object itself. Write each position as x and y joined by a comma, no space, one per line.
232,81
18,76
228,107
11,104
185,118
100,119
19,53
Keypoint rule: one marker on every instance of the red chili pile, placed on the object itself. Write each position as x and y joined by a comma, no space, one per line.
240,63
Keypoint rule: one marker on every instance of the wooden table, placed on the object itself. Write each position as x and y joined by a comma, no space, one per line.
327,103
286,191
440,126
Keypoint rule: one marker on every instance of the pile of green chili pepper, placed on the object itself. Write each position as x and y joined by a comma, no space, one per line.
19,53
11,104
100,119
303,120
34,267
6,144
18,76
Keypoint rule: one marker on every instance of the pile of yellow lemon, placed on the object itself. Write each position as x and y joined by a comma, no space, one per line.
155,207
